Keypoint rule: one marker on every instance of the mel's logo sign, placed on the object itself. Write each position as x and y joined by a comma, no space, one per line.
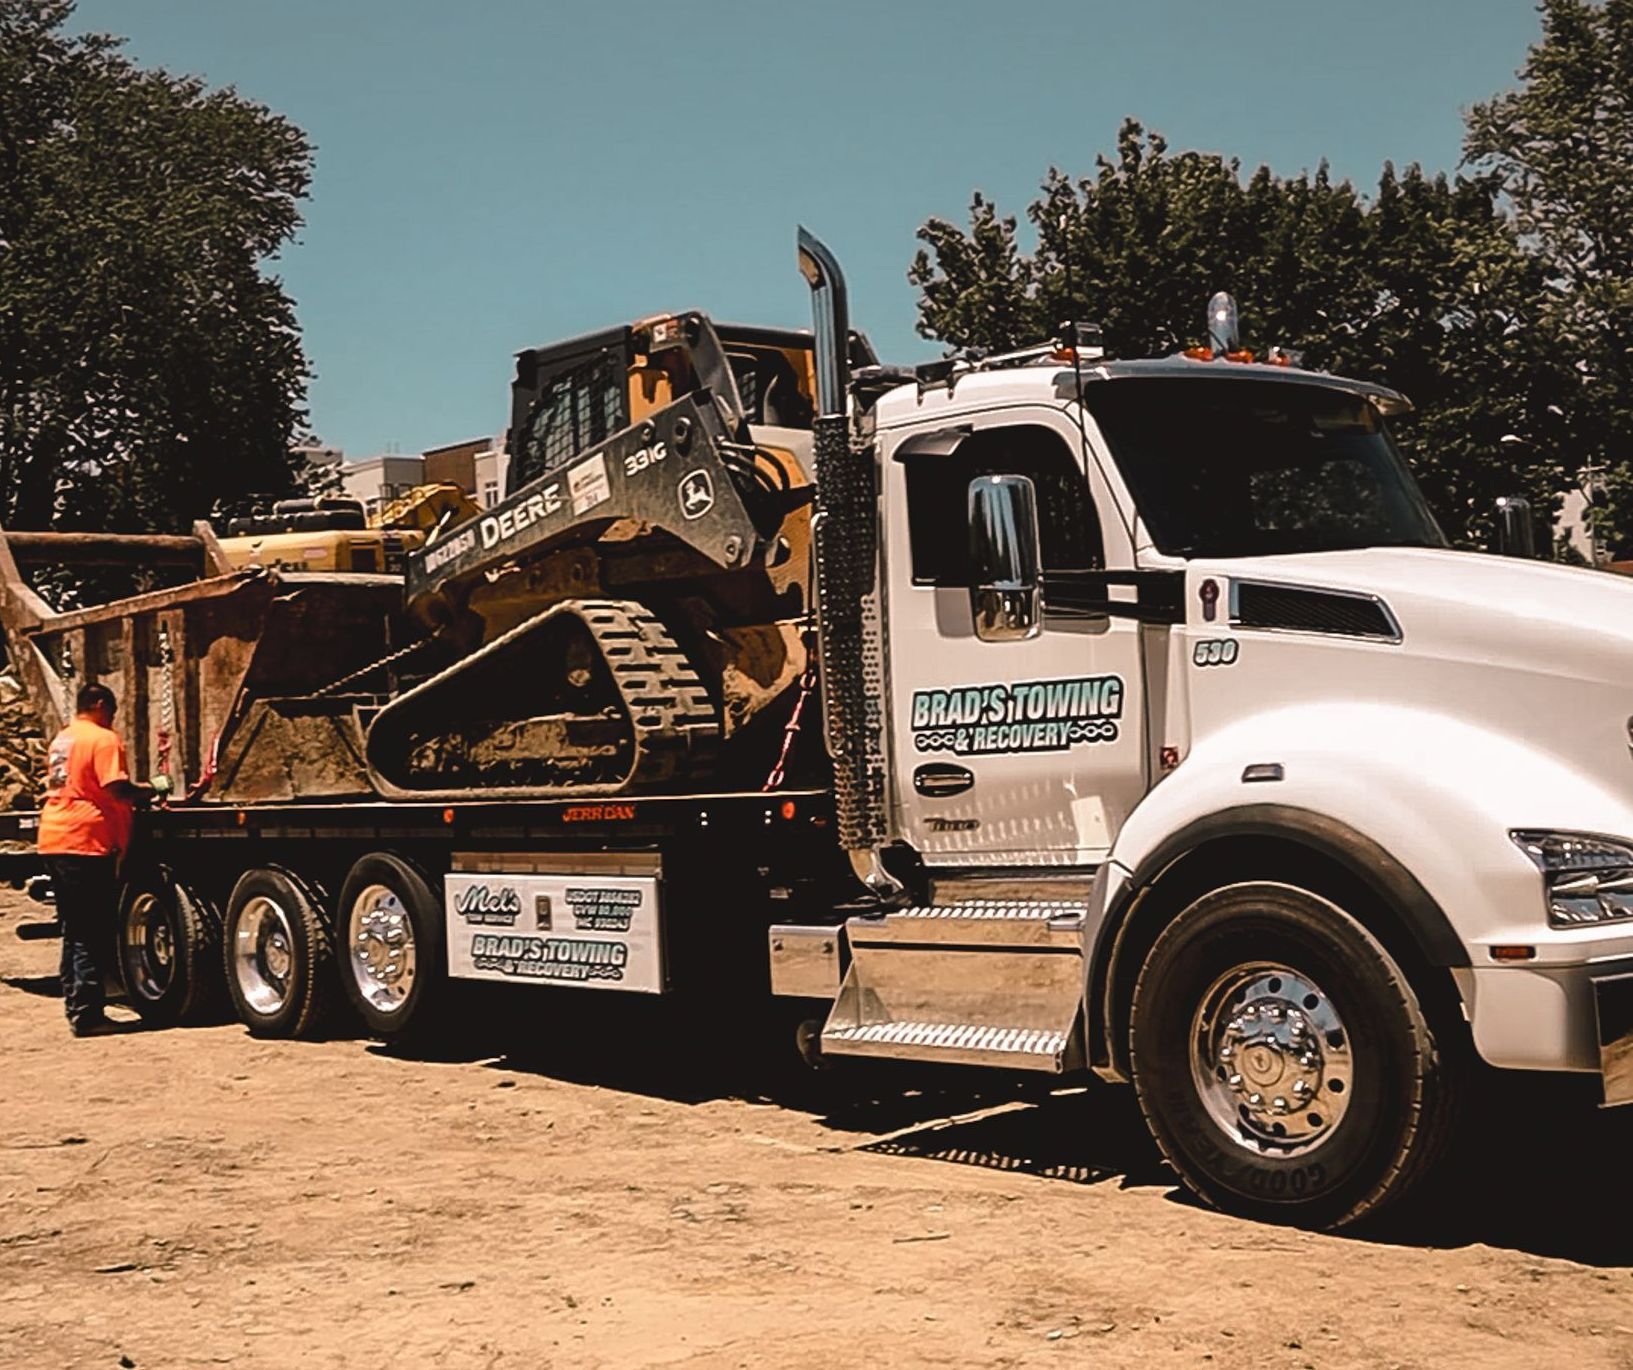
479,904
1033,716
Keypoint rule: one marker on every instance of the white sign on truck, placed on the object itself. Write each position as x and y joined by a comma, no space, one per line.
593,931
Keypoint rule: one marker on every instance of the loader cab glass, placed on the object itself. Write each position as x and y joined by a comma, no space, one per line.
572,396
1236,468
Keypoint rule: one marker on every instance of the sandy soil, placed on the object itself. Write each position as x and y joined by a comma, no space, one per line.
584,1192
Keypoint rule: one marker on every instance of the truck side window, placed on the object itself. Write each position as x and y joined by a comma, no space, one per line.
938,498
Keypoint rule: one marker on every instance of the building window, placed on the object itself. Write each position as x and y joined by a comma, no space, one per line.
490,493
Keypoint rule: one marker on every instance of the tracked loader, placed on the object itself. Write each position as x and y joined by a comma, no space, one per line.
620,620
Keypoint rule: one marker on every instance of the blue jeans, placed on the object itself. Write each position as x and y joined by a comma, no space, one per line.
85,891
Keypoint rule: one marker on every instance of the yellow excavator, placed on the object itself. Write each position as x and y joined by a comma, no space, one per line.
336,533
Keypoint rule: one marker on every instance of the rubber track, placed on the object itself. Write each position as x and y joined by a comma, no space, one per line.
674,724
676,727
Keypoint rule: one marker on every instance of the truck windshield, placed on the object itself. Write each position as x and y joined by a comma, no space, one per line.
1236,468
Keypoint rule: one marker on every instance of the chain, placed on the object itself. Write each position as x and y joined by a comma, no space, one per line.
807,685
334,686
167,701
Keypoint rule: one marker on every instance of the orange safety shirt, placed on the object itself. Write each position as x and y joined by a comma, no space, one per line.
80,817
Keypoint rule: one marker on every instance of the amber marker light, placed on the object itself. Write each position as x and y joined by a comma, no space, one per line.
1513,953
448,816
788,810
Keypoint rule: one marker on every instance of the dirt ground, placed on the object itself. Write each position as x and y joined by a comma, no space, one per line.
581,1191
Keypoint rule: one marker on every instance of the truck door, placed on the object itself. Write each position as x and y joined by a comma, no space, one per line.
1019,752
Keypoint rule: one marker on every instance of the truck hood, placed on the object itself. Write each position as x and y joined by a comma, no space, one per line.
1534,616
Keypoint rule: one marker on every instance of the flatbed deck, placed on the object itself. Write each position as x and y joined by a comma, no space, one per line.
554,822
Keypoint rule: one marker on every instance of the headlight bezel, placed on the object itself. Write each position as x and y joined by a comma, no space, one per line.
1587,877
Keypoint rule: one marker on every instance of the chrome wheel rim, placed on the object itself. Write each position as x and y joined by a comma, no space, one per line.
150,948
380,935
1270,1058
264,954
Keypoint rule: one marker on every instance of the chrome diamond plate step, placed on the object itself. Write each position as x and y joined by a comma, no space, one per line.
964,1043
976,981
1014,923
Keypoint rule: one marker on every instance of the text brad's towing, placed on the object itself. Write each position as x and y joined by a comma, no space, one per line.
1044,715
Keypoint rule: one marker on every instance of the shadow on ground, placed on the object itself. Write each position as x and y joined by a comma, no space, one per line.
48,986
1541,1169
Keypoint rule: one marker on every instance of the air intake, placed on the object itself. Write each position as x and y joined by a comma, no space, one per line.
1342,613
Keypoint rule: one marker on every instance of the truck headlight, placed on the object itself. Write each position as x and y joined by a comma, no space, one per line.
1587,879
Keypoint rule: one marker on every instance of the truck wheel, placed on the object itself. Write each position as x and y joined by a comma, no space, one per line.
169,950
280,967
1282,1061
392,943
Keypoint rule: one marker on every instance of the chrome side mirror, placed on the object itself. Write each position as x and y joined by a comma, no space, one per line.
1512,533
1006,580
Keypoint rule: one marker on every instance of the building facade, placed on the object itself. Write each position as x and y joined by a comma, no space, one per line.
379,480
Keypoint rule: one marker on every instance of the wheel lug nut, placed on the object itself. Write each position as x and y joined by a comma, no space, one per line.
1255,1099
1235,1082
1279,1104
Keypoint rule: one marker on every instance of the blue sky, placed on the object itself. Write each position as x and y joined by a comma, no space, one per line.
498,174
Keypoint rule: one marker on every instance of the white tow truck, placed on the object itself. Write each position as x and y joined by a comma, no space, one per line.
1165,739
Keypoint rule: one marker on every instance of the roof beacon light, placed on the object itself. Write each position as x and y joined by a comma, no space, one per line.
1224,337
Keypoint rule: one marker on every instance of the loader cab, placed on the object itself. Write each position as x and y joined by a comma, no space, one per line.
571,396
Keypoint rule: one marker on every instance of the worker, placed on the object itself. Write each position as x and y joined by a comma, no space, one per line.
85,826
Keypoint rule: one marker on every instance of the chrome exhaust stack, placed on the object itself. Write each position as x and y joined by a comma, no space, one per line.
850,636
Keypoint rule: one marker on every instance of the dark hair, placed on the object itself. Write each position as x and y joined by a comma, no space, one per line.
95,696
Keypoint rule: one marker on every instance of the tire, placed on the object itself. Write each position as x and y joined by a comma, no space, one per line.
1284,1063
279,961
169,950
392,945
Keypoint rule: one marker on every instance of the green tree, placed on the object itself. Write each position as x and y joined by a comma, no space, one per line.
150,371
1425,285
1562,147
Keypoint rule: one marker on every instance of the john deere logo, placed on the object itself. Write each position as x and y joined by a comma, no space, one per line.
696,494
